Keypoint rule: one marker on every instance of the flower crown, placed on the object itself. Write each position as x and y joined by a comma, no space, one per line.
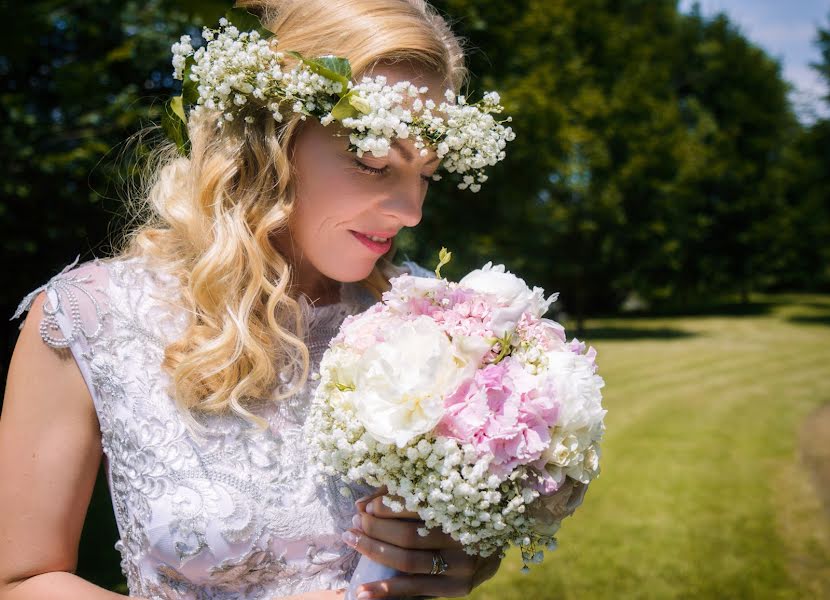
240,72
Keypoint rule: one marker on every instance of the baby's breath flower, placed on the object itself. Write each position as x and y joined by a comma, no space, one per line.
236,67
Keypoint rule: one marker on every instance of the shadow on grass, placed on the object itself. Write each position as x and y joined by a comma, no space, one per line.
717,309
816,305
810,319
724,309
632,333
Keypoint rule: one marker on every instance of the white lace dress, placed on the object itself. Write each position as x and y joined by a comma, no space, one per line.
235,514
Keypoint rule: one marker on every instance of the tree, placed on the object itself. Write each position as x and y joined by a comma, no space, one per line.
801,256
647,144
78,79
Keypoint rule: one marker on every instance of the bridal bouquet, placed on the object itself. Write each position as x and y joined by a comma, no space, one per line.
464,402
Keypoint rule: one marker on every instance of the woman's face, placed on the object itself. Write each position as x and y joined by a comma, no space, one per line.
342,198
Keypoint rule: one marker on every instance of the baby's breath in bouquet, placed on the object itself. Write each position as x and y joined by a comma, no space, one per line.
466,403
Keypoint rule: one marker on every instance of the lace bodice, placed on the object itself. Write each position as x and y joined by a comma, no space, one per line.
232,514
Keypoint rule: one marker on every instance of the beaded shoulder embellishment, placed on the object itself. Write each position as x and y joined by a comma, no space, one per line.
66,290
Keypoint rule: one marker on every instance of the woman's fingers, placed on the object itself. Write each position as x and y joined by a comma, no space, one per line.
459,563
376,507
402,533
418,585
361,503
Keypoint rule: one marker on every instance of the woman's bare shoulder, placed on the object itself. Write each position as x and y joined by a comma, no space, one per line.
50,452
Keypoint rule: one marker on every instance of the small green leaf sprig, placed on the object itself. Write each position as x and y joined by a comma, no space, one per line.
444,256
239,72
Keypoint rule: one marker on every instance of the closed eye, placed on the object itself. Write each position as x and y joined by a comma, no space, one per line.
380,171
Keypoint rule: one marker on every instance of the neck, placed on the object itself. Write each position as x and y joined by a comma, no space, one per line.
321,296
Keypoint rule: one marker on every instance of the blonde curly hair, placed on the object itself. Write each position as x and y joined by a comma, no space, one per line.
209,219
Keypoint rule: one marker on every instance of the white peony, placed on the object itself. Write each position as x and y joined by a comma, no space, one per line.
573,448
577,388
512,294
401,382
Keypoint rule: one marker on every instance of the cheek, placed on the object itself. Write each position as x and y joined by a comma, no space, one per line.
328,201
337,195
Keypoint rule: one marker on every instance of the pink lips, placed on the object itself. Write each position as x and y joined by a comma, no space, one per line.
380,248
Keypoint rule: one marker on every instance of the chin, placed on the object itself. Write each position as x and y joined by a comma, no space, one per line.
349,273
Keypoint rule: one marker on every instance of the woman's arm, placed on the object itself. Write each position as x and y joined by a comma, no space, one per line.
50,451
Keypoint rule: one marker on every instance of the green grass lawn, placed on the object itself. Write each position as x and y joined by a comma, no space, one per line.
703,491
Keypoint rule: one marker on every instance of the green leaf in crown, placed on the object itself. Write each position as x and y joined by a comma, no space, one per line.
190,89
329,66
174,124
350,105
245,21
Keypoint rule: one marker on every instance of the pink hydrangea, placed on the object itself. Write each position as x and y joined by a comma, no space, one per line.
503,411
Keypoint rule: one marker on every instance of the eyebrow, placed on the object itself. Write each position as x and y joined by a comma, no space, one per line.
407,154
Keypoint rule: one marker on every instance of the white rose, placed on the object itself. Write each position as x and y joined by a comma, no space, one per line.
401,382
511,292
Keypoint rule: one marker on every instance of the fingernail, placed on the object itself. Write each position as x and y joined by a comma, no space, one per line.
370,508
357,522
350,538
364,596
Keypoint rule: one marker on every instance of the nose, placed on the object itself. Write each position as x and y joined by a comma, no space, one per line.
405,203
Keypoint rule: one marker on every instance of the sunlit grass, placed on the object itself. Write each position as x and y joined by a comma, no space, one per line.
703,493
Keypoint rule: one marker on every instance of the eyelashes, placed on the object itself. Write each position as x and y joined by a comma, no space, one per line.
375,171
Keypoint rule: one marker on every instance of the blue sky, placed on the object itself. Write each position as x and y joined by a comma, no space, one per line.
785,29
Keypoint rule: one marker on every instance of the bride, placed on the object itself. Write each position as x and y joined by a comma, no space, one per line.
184,360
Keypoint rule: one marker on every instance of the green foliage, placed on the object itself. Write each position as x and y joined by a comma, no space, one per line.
822,40
174,123
334,68
246,21
649,154
656,152
443,258
799,255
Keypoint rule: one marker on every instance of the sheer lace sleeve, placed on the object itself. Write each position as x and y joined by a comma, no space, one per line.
74,310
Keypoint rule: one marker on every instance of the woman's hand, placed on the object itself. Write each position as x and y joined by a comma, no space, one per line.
392,539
